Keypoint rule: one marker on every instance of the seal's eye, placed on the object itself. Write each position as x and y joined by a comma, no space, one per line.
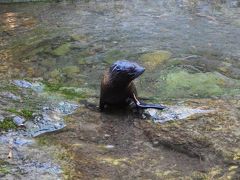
118,68
132,69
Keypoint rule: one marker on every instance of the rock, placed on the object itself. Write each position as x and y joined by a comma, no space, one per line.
192,84
46,122
173,113
10,96
18,121
22,83
37,87
66,107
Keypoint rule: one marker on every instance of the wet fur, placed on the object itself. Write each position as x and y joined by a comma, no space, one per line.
118,89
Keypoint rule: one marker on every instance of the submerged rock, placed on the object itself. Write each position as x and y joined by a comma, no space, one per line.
197,84
153,59
70,70
62,49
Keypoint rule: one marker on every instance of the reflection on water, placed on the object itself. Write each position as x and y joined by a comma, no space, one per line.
11,20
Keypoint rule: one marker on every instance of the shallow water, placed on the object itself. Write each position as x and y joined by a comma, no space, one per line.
190,50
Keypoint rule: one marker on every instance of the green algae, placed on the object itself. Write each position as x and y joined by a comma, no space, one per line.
153,59
4,170
67,92
7,124
183,84
61,50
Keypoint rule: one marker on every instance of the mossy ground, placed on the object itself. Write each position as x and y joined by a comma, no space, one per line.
7,124
68,92
28,114
4,167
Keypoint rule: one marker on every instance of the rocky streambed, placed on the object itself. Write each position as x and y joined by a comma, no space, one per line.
52,56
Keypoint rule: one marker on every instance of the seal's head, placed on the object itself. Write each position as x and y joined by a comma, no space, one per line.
123,71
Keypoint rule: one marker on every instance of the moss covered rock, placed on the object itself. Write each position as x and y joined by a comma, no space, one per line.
183,84
61,50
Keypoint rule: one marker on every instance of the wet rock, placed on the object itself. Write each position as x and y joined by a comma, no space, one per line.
46,122
22,83
10,96
173,113
66,107
19,121
153,59
37,87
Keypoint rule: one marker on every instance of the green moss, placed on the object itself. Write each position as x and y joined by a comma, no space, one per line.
72,93
4,170
114,55
10,88
28,114
52,87
62,49
7,124
68,92
183,84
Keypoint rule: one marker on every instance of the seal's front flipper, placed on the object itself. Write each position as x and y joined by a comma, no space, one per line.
154,106
145,106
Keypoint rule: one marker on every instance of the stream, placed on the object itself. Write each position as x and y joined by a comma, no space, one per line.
52,58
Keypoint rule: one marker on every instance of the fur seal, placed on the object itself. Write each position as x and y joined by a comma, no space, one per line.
118,89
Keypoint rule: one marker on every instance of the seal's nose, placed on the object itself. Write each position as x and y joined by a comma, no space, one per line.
139,71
